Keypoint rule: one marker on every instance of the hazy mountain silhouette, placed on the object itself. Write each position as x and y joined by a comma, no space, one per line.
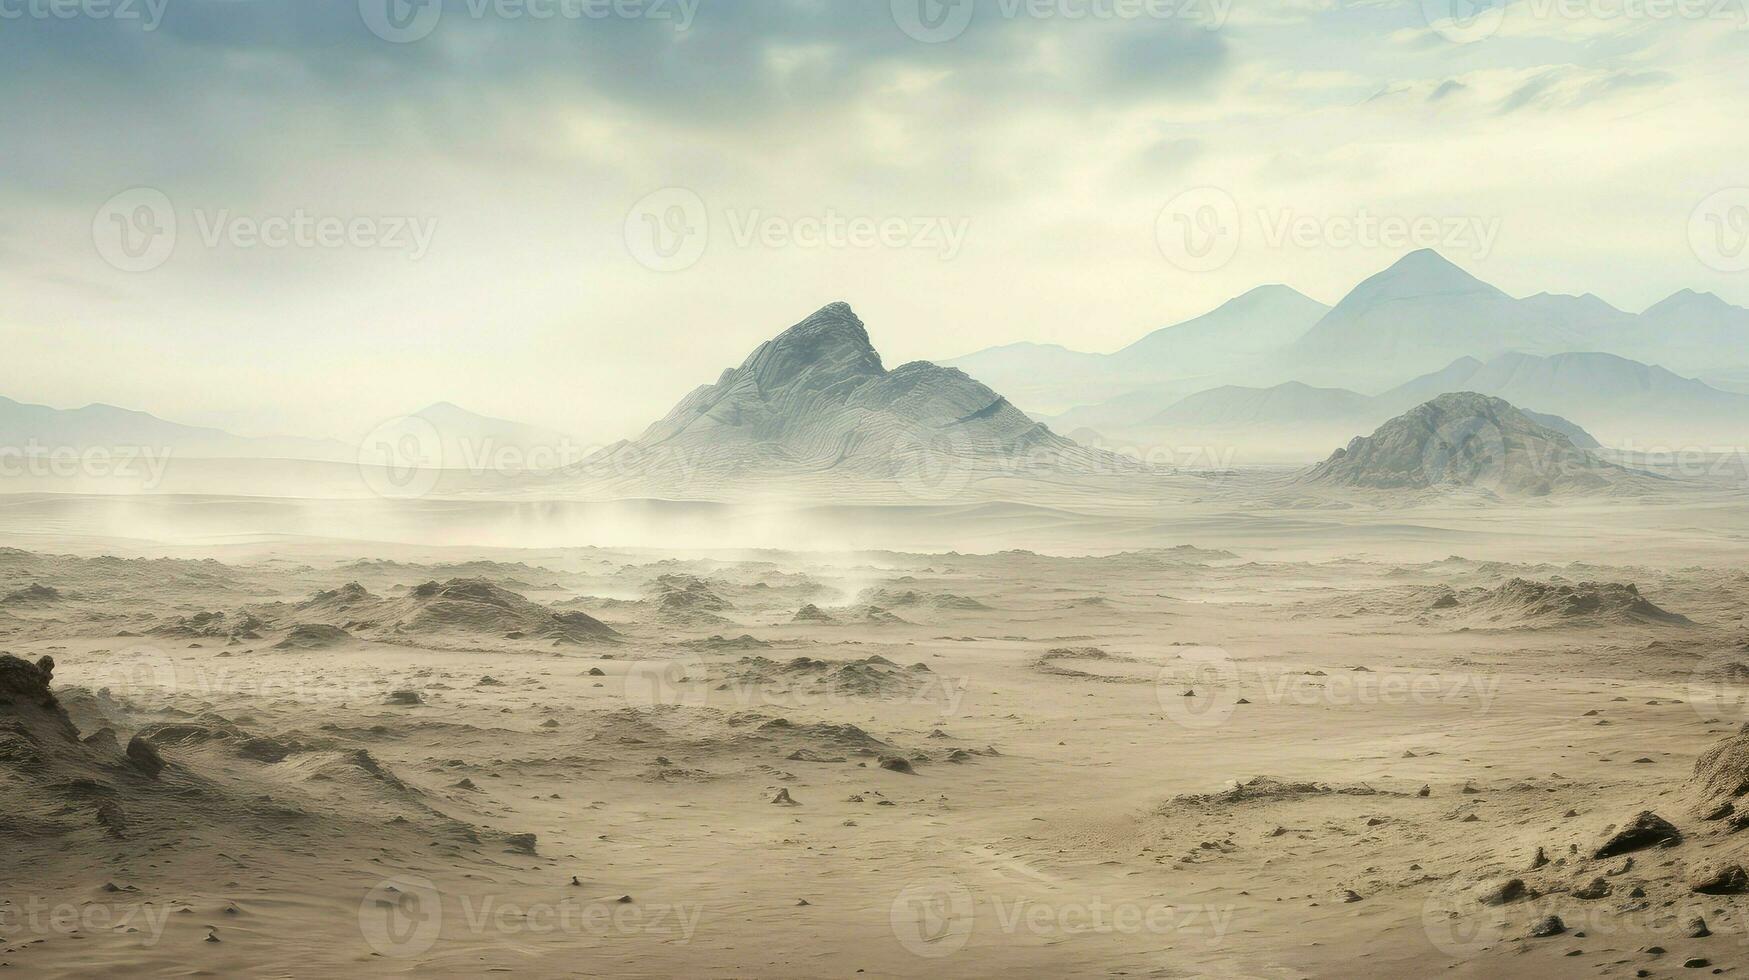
814,408
1216,344
1624,402
38,429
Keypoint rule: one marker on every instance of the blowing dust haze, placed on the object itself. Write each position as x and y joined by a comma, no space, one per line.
891,488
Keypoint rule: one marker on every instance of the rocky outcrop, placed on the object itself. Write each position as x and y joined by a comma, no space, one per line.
815,406
1467,440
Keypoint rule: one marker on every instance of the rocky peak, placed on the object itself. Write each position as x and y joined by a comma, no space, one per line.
827,347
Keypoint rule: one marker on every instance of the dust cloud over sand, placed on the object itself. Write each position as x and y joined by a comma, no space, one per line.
1269,734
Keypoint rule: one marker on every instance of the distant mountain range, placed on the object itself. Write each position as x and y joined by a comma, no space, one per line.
1622,403
1423,316
1241,335
1271,376
446,434
1424,312
814,409
39,429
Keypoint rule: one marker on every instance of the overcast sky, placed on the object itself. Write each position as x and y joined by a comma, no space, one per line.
574,219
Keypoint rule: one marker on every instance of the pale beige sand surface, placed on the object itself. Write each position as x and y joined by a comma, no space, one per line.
1075,734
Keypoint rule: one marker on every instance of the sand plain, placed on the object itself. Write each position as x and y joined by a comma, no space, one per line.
1226,737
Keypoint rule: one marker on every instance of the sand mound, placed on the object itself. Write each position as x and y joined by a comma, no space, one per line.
313,636
872,615
1264,789
811,613
686,600
210,731
1055,662
443,611
720,643
1721,773
338,602
912,597
874,676
33,594
210,625
1522,601
846,737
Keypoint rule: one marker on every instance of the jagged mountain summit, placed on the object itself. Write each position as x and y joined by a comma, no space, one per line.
815,409
1469,440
